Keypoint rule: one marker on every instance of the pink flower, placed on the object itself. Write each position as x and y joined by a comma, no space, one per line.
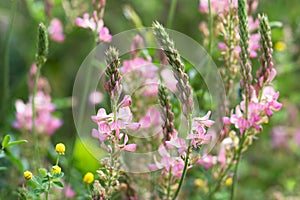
107,123
169,79
104,35
177,142
87,22
56,30
208,161
198,127
279,137
94,24
126,101
69,193
151,119
95,97
136,45
254,44
217,6
269,98
128,147
140,66
297,137
44,122
167,163
238,120
222,157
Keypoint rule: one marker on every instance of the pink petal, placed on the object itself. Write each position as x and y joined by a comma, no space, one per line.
130,147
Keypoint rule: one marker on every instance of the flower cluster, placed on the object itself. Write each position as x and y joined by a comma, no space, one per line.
45,122
56,30
110,125
112,131
41,183
259,101
258,111
227,28
95,22
140,70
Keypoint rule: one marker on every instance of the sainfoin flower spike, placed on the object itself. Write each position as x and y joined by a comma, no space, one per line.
185,92
113,85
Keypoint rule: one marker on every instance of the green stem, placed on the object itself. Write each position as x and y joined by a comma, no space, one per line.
5,74
238,158
169,183
35,139
210,28
48,188
171,13
57,160
223,174
186,163
86,87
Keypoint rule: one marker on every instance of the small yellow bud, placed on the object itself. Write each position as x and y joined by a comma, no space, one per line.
228,181
88,178
27,175
56,169
60,148
280,46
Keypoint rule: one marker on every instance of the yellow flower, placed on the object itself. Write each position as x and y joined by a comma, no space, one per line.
228,181
199,183
280,46
60,148
27,175
88,178
56,169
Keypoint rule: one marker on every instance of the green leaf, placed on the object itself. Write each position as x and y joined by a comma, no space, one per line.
276,24
43,171
38,191
58,176
3,168
16,142
37,179
5,141
58,184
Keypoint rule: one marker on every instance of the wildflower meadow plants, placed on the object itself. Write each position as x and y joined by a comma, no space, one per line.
154,116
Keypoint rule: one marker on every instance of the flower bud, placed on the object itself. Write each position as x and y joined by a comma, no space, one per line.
60,148
27,175
88,178
42,44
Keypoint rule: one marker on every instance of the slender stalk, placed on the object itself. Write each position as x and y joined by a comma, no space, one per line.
5,74
186,163
169,183
171,13
48,188
210,28
33,108
223,174
86,86
238,158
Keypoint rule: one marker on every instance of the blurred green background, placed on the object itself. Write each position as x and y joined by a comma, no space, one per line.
265,172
